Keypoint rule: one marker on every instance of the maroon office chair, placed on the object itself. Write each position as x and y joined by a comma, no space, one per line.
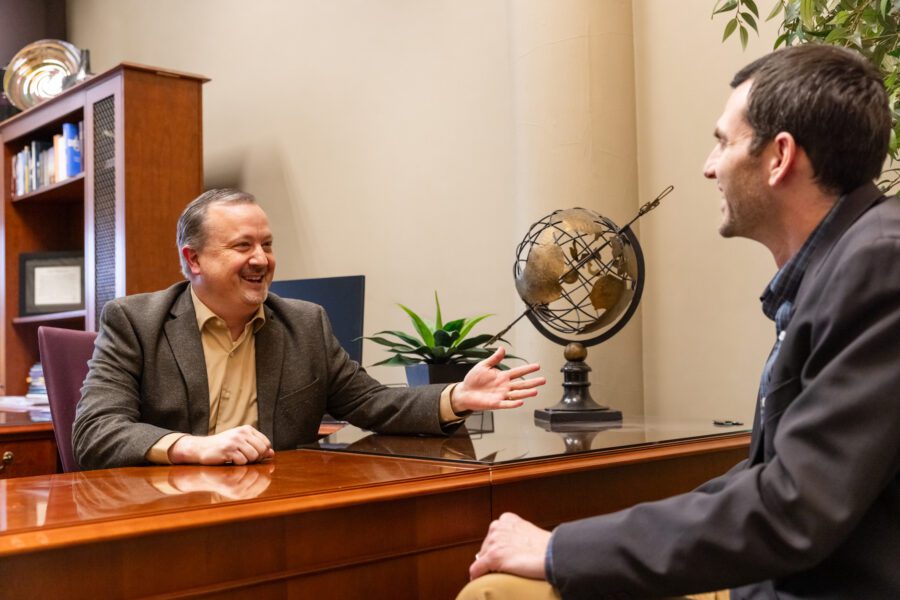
64,356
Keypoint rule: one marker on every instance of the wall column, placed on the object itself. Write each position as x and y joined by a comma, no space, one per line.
575,145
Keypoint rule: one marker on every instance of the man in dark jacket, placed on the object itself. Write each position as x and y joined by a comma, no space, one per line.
814,512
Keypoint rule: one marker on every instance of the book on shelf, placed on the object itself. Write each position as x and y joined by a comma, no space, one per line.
46,162
73,148
37,388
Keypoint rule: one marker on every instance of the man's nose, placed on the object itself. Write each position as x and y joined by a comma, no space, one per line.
709,168
259,255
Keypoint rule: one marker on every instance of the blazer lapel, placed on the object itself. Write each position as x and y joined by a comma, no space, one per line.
269,359
183,336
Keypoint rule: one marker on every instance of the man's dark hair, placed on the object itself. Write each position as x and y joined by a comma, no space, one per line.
832,100
191,228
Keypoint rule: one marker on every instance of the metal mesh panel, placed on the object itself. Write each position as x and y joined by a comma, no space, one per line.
104,202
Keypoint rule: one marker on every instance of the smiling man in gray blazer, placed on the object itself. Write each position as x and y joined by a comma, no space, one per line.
216,370
814,512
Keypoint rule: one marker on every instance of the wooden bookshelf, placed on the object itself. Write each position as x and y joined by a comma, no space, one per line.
142,159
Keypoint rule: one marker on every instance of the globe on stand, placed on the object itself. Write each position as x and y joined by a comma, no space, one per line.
581,277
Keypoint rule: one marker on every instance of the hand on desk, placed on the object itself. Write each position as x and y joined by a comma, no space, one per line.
240,445
513,545
487,388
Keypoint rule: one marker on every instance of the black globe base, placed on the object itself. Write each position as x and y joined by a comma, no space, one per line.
555,417
576,405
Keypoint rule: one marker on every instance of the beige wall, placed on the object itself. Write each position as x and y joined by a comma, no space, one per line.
383,137
415,141
705,339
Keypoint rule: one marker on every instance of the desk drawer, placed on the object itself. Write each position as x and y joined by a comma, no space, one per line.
27,457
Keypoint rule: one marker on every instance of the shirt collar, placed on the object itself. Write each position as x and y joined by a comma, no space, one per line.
205,314
786,282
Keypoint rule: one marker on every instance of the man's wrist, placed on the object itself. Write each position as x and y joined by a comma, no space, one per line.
159,452
448,412
182,450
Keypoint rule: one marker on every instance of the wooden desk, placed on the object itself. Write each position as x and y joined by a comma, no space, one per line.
313,523
27,445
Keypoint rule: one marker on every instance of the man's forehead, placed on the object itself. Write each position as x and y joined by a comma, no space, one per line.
735,113
237,219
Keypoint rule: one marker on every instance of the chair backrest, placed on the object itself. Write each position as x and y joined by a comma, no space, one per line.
343,298
64,356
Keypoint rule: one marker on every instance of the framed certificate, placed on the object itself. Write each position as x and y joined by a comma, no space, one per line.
50,282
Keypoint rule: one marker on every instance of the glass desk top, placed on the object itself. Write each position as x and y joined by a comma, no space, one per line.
511,436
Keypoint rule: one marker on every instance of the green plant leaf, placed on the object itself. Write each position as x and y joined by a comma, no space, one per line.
807,13
440,352
837,33
840,17
748,18
473,341
412,341
421,327
396,361
469,324
729,29
454,325
744,36
779,6
750,4
729,5
443,338
438,323
390,344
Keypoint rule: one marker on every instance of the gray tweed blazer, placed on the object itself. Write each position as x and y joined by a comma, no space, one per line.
148,378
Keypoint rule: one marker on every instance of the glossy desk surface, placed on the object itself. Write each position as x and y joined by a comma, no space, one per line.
332,523
13,420
506,438
64,509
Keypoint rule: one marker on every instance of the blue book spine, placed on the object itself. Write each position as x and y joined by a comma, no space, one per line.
73,149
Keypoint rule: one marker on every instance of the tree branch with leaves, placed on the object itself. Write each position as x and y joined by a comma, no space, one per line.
871,27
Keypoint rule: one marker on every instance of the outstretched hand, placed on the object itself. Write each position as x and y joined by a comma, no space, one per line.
487,388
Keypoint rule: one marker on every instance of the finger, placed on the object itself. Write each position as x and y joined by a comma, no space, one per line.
259,446
526,384
236,457
518,372
504,404
478,568
261,438
494,359
521,394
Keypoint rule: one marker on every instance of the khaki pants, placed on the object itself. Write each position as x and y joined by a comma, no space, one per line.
500,586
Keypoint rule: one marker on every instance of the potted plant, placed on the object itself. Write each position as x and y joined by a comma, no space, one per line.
439,351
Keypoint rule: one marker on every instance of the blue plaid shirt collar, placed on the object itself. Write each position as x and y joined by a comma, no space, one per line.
778,297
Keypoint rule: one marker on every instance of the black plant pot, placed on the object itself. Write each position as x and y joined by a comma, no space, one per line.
423,374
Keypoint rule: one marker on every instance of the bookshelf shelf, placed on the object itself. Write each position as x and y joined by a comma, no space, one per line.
55,319
70,190
142,161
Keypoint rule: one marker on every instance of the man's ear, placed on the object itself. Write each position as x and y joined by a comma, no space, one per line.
190,256
782,157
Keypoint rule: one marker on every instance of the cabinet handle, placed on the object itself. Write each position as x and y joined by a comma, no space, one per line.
7,458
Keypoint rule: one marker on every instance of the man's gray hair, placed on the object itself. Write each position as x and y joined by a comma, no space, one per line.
191,229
